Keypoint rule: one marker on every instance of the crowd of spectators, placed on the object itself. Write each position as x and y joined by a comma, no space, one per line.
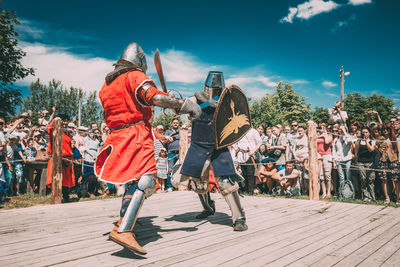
24,153
355,160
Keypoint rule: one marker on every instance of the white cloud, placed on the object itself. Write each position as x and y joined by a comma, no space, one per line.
253,86
88,73
27,28
344,23
299,81
290,16
309,9
328,84
51,62
331,95
359,2
180,66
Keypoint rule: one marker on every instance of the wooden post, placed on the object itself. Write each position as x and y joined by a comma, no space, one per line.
183,144
313,161
42,185
56,186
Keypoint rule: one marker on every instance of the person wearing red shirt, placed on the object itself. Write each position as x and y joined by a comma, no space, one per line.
324,143
127,156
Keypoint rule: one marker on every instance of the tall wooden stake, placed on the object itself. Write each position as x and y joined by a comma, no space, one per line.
56,185
313,161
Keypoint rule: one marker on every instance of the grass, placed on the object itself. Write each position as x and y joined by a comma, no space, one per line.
31,199
335,199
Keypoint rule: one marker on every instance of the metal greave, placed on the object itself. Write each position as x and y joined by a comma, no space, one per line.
132,212
233,200
206,201
145,186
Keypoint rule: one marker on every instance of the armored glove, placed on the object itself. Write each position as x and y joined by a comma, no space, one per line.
191,108
203,97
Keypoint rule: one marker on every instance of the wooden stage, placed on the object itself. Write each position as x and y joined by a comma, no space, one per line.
281,232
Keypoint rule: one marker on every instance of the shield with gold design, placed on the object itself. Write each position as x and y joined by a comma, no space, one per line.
232,117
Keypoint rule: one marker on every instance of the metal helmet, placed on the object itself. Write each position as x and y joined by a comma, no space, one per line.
134,54
214,84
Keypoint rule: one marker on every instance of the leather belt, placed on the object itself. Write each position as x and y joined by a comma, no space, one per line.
128,125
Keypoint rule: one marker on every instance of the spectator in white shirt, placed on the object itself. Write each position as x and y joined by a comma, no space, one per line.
342,155
245,151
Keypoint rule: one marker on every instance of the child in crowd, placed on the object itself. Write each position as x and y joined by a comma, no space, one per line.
30,150
162,168
17,159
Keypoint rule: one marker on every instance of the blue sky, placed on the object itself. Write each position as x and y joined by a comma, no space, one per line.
255,43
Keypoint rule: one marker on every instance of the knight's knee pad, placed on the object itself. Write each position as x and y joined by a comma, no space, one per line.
200,187
147,184
227,186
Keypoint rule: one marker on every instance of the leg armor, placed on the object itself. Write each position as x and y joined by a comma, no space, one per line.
145,188
229,190
201,188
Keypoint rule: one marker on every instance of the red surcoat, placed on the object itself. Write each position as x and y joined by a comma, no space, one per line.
67,167
127,153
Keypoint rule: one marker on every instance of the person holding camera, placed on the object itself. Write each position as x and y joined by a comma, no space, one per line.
337,114
279,150
371,123
364,155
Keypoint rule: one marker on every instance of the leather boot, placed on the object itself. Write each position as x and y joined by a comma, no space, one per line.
126,239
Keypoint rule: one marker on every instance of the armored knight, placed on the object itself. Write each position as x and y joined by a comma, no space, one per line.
203,155
127,156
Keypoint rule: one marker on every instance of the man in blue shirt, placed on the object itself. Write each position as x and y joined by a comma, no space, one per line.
173,149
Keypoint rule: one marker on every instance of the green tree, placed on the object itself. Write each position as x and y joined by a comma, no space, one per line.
265,111
11,68
357,107
66,101
165,119
292,105
92,110
282,107
320,114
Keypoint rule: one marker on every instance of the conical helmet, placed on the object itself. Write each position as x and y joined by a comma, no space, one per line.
134,54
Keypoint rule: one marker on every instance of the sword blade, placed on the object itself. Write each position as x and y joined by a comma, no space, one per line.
159,69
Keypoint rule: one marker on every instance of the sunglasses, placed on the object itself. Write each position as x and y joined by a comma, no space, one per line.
294,125
1,122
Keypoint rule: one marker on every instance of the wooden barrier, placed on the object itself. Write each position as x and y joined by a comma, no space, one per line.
183,144
56,186
313,161
37,165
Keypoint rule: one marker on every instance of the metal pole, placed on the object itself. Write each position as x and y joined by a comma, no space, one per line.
341,84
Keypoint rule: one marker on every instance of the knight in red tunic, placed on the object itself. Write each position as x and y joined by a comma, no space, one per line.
127,156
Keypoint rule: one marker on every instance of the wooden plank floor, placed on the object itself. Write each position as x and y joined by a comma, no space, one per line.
282,232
